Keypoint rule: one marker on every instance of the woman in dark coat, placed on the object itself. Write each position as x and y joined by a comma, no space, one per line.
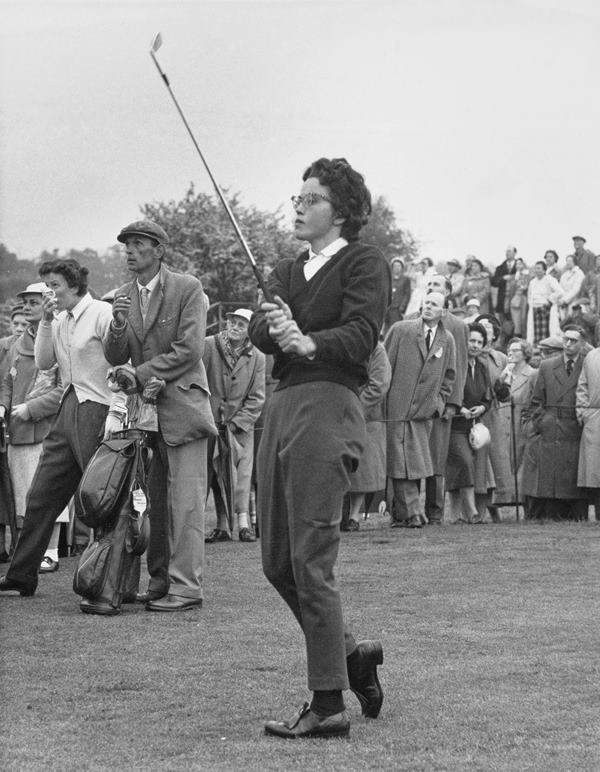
460,468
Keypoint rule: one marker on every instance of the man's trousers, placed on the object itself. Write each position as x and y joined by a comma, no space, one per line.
177,489
75,434
313,437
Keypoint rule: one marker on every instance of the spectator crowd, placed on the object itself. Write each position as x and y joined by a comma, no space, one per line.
483,394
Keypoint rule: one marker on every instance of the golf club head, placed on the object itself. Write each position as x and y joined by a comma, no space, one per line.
156,43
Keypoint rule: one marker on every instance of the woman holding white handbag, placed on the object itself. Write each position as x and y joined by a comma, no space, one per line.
467,433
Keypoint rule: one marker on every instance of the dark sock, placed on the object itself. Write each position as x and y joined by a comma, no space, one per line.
326,703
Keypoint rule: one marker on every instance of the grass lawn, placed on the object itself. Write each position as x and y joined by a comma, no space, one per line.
491,644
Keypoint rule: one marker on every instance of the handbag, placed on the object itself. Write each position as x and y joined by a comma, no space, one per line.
479,436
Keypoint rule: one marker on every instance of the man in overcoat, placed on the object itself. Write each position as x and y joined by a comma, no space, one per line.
159,323
556,433
236,379
588,415
422,355
439,439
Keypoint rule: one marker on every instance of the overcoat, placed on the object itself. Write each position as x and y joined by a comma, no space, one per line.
168,344
588,393
550,471
421,384
237,394
370,475
24,383
498,451
439,439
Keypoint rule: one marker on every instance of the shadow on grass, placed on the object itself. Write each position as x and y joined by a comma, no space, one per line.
491,661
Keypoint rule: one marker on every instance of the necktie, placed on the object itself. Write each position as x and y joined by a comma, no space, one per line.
569,366
428,338
144,294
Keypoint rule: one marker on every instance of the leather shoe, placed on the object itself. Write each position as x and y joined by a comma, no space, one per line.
362,674
217,535
4,557
173,603
144,597
246,534
350,525
101,607
308,724
8,585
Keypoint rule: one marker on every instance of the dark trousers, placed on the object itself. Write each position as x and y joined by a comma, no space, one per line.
434,498
557,509
313,436
68,447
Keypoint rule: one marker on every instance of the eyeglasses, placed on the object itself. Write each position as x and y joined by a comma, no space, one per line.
308,199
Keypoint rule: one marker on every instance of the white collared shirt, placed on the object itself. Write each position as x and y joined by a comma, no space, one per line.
317,260
434,331
151,286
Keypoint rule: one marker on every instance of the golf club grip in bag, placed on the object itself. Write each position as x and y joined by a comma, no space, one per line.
107,564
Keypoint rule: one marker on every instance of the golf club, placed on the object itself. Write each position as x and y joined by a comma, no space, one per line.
154,46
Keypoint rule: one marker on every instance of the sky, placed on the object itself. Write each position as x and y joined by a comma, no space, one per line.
476,119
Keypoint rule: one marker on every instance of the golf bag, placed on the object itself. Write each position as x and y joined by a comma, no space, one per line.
105,568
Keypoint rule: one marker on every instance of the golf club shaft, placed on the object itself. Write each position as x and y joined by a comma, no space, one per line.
258,275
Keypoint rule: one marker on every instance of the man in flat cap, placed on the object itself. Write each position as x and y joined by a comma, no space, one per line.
159,323
236,378
583,257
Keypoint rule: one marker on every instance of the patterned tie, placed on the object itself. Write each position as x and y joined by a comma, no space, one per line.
428,338
569,366
144,294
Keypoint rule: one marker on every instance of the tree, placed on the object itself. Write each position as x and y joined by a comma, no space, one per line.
203,242
382,231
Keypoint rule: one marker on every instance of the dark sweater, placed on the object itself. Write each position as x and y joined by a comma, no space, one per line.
342,308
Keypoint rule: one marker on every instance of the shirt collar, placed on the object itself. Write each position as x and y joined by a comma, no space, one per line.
151,284
82,304
330,250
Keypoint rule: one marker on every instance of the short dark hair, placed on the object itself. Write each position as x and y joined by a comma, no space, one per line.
476,327
350,197
543,264
575,328
75,275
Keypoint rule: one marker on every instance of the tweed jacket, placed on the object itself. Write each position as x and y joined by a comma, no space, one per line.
169,344
237,395
421,384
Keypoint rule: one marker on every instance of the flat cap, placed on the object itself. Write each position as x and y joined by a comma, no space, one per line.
454,262
144,228
581,238
553,343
